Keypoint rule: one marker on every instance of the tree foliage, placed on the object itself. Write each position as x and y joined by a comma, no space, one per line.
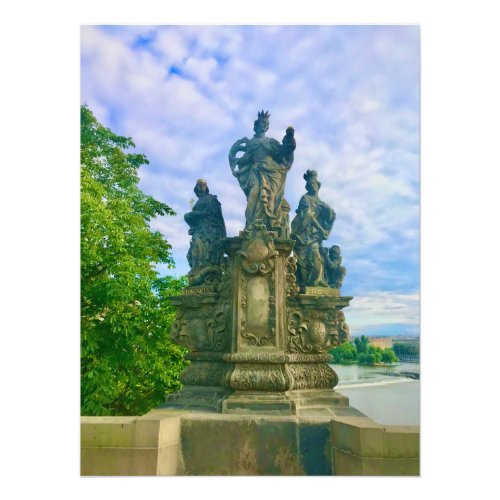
406,349
344,354
362,353
128,361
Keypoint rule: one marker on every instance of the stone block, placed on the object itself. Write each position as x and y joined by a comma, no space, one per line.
130,446
348,464
119,461
315,446
360,436
107,432
155,431
168,460
402,441
254,404
240,445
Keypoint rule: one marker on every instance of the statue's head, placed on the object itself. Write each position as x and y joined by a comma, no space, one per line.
334,251
261,125
201,187
340,316
312,183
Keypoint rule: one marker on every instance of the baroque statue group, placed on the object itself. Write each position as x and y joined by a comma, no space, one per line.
261,173
262,309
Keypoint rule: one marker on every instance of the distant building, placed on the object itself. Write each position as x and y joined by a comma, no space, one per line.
406,340
382,342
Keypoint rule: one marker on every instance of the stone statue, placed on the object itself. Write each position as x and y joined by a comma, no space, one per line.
261,173
207,229
343,328
334,270
311,225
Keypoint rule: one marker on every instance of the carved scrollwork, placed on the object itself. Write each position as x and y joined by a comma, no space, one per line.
258,254
312,375
206,373
311,331
258,328
260,377
292,289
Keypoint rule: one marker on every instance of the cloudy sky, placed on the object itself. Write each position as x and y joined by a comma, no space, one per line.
186,93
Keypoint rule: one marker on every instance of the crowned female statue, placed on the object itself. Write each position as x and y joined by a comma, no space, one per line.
261,173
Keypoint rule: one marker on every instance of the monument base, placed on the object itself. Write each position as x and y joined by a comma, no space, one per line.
167,442
197,398
319,402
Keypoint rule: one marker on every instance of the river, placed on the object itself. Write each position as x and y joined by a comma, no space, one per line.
380,394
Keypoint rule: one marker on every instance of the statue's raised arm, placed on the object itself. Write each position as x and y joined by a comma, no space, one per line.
261,172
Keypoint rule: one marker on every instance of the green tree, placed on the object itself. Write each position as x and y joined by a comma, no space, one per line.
388,356
128,361
344,353
361,344
408,349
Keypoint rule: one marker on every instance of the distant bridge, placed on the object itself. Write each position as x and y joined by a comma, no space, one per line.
409,358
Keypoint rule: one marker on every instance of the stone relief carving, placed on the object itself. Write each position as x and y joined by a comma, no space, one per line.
312,331
312,375
260,377
257,286
292,289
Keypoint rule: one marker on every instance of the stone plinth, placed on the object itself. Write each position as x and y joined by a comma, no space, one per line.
170,442
257,344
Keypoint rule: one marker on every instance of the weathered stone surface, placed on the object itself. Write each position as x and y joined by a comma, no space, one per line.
402,441
363,447
172,442
130,446
107,431
346,464
240,445
358,435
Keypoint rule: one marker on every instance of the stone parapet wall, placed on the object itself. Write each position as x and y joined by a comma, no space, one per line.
169,442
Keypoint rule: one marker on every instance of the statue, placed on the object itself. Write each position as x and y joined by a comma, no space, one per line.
343,328
334,270
311,225
261,173
207,229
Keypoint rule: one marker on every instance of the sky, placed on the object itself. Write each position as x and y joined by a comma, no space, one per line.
185,94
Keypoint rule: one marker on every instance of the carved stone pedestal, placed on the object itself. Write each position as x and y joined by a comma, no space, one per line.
258,345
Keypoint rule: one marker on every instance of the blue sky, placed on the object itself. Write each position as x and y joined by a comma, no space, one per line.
186,93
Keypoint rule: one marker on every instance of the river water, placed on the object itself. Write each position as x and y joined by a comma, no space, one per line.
380,394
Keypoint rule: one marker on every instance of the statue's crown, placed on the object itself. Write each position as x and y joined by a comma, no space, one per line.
310,174
261,115
201,181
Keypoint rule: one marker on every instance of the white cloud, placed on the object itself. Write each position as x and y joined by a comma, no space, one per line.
352,94
172,45
384,308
